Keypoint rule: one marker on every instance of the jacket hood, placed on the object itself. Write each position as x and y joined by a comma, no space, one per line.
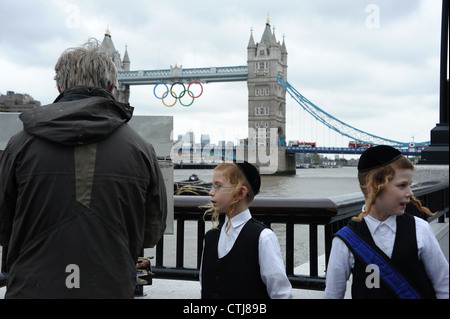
78,116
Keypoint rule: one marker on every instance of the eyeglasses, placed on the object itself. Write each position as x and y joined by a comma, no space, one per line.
217,187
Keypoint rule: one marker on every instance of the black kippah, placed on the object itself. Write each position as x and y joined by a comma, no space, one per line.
377,156
252,175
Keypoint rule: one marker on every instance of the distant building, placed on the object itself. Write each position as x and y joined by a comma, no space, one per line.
17,102
204,140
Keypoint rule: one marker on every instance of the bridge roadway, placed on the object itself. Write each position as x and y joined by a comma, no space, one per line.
178,74
344,150
229,152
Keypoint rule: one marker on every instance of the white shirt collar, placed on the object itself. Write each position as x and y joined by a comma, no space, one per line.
239,219
373,223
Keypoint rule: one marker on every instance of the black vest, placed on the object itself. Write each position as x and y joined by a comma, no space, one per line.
237,274
404,258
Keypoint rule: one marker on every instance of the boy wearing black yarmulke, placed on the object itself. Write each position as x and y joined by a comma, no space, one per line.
241,257
390,254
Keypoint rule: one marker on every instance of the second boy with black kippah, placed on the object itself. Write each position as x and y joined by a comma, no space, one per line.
241,257
390,254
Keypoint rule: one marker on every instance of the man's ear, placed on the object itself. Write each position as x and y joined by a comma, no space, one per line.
112,88
59,90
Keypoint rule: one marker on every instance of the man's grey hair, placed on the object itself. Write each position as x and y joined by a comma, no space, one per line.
87,65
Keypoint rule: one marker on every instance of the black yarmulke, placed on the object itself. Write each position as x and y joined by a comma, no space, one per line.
252,175
377,156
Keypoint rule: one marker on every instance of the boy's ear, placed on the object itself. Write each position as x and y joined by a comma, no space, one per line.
372,191
369,190
243,193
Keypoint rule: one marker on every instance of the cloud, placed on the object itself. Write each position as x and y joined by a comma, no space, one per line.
30,81
375,78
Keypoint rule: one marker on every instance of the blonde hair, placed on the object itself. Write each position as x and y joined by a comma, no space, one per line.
236,178
377,180
87,65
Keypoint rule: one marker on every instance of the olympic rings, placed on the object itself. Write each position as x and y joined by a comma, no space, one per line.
154,89
181,94
165,94
201,92
190,94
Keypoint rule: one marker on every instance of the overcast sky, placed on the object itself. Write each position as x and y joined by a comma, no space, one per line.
372,64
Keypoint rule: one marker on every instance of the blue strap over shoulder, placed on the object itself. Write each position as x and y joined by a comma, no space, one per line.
369,255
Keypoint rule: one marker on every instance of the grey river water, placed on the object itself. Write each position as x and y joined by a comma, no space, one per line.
307,183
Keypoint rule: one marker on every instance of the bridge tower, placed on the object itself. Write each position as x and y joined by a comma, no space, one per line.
266,61
122,93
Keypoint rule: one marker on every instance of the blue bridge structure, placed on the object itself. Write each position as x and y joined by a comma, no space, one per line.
341,127
229,153
345,150
240,73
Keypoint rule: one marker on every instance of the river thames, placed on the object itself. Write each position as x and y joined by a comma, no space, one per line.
307,183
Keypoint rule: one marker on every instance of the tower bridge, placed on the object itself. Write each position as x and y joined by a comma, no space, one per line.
266,77
266,62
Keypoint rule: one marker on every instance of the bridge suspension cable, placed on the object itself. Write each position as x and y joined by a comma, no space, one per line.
339,126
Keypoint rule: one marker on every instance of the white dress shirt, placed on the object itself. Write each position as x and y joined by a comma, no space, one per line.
273,272
383,233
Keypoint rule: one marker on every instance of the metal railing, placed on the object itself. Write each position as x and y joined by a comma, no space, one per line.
269,210
331,213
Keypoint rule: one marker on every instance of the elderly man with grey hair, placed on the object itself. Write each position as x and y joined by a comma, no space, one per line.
81,193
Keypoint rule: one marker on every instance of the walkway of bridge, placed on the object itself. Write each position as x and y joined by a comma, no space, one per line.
174,74
345,150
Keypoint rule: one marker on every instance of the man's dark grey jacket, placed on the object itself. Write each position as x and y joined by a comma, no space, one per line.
81,194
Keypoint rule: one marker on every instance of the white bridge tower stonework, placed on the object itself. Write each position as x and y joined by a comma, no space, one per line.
266,61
